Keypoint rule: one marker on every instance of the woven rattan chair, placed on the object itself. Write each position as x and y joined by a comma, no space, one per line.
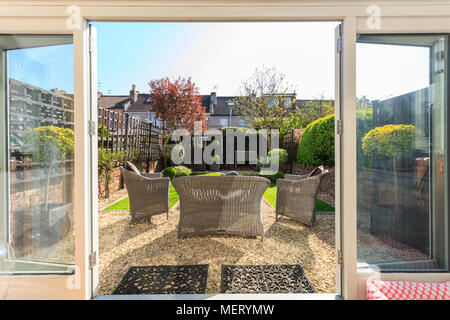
148,194
296,197
220,205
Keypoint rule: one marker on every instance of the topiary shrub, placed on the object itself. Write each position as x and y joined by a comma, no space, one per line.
390,141
281,154
169,172
181,171
316,145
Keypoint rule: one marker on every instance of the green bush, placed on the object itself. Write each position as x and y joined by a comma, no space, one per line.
272,176
316,145
281,154
391,141
169,172
178,171
181,171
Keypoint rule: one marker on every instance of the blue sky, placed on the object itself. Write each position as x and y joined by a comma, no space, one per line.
215,55
218,56
45,67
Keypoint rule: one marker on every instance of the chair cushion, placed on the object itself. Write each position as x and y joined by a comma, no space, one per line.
405,290
131,167
316,171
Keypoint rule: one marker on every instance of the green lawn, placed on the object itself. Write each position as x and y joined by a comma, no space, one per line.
124,204
270,195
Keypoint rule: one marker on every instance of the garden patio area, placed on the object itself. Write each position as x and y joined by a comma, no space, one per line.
154,242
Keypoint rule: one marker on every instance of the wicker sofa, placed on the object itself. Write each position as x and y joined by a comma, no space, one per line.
148,194
296,197
220,205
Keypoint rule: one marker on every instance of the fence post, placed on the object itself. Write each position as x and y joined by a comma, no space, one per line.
149,150
125,144
291,151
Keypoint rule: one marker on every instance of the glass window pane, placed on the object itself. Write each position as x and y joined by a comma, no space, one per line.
401,147
39,145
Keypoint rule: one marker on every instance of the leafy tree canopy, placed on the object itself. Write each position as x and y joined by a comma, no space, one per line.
177,102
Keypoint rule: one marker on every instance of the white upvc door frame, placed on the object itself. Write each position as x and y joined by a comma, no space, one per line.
77,285
345,158
40,17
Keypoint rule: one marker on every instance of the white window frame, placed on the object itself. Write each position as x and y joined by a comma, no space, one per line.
47,17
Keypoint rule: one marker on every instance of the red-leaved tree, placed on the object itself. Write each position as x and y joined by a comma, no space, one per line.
177,102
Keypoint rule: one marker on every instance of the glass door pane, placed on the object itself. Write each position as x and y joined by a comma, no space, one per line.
38,152
401,149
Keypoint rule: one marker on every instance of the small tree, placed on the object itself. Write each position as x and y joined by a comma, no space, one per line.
266,101
47,145
392,142
314,110
177,102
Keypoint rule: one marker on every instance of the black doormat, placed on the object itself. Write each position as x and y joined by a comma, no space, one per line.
265,279
164,280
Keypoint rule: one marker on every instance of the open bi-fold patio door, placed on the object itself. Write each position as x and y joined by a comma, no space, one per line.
45,172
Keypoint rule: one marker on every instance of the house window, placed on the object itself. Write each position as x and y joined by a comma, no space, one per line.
223,122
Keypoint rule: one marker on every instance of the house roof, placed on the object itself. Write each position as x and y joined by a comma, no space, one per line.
141,105
222,108
112,102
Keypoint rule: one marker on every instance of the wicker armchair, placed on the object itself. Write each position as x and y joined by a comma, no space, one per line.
296,197
148,193
220,205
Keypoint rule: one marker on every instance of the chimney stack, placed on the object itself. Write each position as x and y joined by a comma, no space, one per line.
133,94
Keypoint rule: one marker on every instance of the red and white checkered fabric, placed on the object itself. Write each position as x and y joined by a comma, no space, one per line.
405,290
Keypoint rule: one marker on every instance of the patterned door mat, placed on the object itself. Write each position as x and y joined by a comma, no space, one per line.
164,280
265,279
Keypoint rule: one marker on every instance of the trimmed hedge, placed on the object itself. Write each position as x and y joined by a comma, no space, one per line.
178,171
316,145
169,172
390,141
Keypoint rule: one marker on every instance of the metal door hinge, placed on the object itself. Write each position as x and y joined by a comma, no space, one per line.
340,258
92,127
339,44
339,127
92,260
